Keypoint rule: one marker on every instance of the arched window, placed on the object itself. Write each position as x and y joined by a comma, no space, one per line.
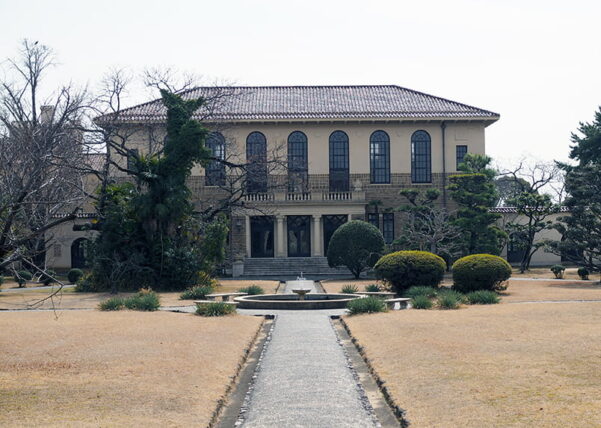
215,171
256,156
297,162
421,157
379,157
339,163
79,253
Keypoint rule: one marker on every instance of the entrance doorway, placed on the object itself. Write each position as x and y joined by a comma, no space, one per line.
299,235
79,253
261,236
330,224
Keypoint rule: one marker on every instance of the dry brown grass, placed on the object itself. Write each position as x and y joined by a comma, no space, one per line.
69,299
504,365
529,291
335,285
545,272
90,368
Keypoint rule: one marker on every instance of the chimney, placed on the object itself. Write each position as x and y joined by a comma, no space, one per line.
46,114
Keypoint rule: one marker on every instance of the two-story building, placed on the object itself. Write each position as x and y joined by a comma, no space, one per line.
345,153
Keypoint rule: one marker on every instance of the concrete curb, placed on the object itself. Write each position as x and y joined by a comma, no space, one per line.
399,413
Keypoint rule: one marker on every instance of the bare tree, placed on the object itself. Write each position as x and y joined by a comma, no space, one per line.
40,149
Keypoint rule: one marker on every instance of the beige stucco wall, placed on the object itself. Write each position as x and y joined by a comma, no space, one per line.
58,255
541,257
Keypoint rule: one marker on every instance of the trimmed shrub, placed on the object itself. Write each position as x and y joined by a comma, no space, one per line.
558,271
252,290
413,292
198,292
112,304
482,297
47,277
349,289
1,280
448,301
404,269
583,273
366,305
356,245
480,272
22,276
421,302
74,275
373,288
214,309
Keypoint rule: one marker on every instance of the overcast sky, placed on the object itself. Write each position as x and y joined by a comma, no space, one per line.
537,63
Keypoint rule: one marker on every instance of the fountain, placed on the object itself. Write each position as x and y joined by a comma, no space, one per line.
299,294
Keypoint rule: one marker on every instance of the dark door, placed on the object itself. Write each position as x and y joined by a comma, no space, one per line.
330,224
261,236
78,253
299,235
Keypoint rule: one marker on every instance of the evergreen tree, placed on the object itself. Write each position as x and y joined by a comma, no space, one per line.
581,229
475,193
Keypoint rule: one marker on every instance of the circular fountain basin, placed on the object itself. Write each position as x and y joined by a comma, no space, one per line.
292,301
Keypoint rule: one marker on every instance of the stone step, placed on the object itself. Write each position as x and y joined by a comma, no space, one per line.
290,266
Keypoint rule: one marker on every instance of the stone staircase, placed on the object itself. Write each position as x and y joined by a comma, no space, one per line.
291,267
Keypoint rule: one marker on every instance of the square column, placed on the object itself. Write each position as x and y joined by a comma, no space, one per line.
316,241
280,234
247,232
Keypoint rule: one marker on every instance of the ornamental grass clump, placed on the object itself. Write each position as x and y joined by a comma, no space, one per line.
558,271
460,297
482,297
448,301
144,300
421,302
413,292
480,272
404,269
252,290
112,304
214,309
198,292
366,305
373,288
349,289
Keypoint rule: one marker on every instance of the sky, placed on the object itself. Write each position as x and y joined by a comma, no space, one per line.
536,63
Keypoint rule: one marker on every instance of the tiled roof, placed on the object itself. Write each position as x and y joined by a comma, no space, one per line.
258,103
513,210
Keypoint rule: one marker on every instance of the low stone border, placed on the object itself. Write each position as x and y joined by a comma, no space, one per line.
227,405
399,413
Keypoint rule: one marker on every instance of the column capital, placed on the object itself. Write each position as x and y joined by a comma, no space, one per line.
316,216
280,217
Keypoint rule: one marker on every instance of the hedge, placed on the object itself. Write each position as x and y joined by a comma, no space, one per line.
404,269
480,272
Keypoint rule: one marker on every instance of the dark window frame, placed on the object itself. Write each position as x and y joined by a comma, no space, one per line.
374,219
215,170
132,160
421,157
460,152
339,173
298,162
379,157
256,157
388,227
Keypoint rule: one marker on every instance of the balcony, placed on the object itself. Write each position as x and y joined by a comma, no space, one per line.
306,197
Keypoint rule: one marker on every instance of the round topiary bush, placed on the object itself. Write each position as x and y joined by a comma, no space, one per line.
74,275
22,276
356,245
404,269
47,277
480,272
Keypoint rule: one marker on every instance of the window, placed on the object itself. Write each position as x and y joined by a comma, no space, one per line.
379,157
374,218
256,156
388,227
460,152
297,162
339,162
132,159
215,171
421,157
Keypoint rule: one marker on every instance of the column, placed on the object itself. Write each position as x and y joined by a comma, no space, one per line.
280,250
316,241
247,232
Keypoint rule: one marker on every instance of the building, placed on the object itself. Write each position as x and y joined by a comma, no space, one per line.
349,150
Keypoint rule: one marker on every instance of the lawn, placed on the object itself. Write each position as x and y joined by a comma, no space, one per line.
524,365
69,299
91,368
